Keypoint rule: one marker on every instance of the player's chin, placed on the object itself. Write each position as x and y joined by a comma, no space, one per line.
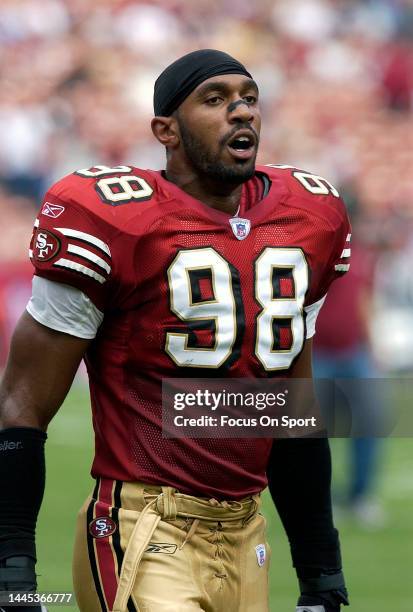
242,167
244,170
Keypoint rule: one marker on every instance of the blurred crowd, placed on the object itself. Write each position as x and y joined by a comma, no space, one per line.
336,81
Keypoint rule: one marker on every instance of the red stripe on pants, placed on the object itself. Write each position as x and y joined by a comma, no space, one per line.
105,556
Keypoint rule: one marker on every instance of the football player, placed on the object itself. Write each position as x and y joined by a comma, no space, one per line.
212,267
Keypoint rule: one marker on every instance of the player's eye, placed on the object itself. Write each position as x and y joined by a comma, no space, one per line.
213,100
250,99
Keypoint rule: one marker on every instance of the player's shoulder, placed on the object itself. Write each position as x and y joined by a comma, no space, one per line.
111,194
306,190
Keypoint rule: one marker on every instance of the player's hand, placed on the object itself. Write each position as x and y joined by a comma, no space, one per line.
324,593
17,574
326,601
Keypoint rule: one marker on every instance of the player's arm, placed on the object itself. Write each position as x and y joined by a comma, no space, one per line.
299,470
72,251
40,370
299,480
38,375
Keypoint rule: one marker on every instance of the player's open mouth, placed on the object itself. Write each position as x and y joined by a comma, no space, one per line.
242,145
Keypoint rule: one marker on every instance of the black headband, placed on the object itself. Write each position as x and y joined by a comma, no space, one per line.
180,79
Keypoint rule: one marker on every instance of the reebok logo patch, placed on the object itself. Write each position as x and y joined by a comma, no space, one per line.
52,210
161,547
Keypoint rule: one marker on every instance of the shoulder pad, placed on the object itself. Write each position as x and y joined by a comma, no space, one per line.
99,185
308,191
302,181
115,195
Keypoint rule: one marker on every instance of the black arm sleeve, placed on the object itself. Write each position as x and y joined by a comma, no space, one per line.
299,479
22,480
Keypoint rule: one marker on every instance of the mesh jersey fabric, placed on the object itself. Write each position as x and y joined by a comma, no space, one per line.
122,253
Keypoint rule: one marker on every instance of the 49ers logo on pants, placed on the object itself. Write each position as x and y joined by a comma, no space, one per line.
45,245
102,527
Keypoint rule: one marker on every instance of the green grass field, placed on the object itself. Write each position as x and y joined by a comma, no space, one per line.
378,564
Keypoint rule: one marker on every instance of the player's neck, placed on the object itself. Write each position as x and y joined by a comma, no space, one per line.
216,194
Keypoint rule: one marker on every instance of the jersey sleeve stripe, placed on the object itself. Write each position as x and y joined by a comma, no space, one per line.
346,253
72,265
348,238
342,267
81,252
71,233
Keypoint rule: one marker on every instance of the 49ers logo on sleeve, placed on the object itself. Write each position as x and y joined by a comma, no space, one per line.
45,245
102,527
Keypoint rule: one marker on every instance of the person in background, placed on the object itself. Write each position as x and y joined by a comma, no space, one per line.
342,351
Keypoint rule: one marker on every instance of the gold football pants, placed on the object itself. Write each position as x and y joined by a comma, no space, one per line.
151,549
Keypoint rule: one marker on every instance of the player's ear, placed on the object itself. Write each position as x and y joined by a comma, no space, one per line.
165,129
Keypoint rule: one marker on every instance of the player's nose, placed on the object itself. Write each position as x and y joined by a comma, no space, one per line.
240,112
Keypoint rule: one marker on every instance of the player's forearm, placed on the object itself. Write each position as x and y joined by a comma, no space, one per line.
40,369
22,478
299,475
15,411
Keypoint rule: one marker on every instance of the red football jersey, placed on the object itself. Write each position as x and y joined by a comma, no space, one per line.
187,291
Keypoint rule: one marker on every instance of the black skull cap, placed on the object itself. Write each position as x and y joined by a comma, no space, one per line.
181,77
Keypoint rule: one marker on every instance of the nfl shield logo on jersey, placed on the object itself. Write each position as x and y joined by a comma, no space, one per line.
260,552
240,227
